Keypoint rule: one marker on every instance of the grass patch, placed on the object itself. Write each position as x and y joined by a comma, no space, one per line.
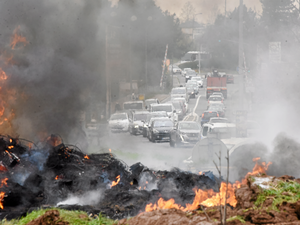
239,218
279,193
73,217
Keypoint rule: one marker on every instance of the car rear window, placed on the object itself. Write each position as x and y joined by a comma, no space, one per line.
215,99
210,114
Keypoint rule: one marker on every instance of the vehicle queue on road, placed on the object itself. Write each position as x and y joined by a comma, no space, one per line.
166,122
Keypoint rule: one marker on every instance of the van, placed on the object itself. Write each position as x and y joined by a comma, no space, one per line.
179,92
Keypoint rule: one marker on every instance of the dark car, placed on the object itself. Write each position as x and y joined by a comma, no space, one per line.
146,123
230,79
185,133
160,130
206,115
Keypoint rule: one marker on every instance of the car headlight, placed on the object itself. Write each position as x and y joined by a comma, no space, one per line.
192,93
179,111
136,126
155,131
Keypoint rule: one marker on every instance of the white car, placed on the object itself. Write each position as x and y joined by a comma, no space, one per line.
177,70
167,107
199,81
184,71
118,122
215,99
179,92
218,94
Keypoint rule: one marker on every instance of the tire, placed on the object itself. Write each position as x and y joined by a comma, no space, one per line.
172,143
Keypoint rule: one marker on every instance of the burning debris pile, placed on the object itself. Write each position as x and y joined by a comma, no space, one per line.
53,173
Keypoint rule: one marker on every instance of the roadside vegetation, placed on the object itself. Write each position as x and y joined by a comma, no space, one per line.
72,217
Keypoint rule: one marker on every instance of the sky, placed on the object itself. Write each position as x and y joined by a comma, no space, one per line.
208,8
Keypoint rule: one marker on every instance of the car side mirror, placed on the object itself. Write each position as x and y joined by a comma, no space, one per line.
174,111
146,107
143,121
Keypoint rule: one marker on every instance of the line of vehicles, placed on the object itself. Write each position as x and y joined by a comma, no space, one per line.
164,122
161,122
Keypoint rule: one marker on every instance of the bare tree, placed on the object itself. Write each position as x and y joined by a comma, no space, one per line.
187,12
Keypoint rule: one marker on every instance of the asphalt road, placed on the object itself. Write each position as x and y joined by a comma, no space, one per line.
132,149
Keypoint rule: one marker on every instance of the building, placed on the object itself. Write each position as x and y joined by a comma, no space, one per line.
192,29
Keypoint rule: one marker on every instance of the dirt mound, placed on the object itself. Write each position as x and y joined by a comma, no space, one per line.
164,216
51,217
269,200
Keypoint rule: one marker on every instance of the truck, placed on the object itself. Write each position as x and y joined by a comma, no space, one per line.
216,83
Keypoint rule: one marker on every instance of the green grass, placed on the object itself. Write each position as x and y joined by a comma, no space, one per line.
70,216
279,193
239,218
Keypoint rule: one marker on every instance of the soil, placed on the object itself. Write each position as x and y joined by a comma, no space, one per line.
170,217
51,217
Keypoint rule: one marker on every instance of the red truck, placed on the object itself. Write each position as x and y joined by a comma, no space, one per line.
216,83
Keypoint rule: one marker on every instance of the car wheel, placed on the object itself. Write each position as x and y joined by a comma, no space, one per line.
152,139
171,143
144,134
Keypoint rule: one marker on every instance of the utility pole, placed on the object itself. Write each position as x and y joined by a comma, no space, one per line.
241,57
200,50
225,9
146,61
107,75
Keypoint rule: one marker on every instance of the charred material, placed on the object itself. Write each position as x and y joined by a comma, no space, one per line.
33,176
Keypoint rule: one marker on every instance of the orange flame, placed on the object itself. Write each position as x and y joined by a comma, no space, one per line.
209,198
2,195
16,38
114,183
10,147
4,182
257,169
59,177
86,157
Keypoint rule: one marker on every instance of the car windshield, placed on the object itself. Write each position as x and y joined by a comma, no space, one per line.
167,108
189,126
163,123
186,69
216,120
208,115
118,117
191,72
215,108
139,117
133,105
149,116
216,98
196,78
148,102
223,132
178,91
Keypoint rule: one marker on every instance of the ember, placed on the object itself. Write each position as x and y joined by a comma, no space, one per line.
114,183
